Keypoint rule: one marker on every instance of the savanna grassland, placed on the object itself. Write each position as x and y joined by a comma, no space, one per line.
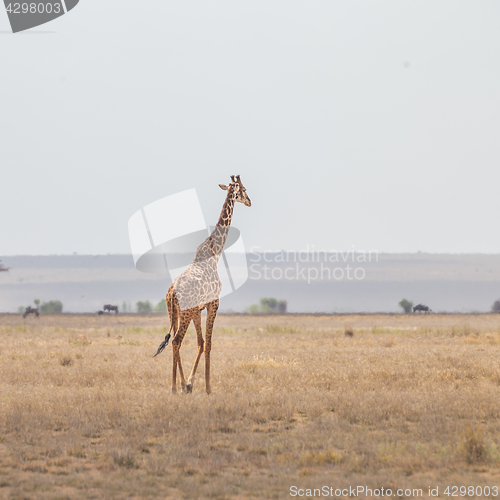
394,401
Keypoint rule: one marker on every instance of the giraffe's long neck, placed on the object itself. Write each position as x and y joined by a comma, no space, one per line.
214,244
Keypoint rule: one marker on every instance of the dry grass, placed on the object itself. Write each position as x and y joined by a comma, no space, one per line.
85,412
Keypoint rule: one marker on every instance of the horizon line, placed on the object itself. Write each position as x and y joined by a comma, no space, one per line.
420,252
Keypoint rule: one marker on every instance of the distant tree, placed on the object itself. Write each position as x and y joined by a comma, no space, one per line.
144,307
37,302
253,309
3,268
52,307
21,309
127,306
406,305
161,306
495,308
268,305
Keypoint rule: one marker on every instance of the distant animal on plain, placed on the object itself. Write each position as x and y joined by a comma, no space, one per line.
31,310
108,308
100,313
422,308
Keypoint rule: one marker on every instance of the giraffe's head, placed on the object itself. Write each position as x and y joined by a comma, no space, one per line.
239,189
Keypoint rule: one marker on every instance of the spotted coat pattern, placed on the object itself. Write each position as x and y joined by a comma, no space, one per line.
198,288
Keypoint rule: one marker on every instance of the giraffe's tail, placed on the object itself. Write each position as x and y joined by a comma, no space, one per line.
172,314
163,344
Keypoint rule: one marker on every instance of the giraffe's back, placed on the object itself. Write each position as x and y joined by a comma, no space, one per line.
198,285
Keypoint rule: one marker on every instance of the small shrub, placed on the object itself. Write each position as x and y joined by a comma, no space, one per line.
282,306
77,452
161,306
268,305
126,306
253,309
321,458
348,332
126,460
495,308
80,340
144,307
129,342
52,307
280,329
473,447
66,361
406,305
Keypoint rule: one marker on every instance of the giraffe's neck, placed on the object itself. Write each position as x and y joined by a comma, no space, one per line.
214,244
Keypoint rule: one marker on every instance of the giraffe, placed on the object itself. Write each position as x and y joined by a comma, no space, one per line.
198,288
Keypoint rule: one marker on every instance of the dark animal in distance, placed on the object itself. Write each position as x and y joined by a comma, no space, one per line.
422,308
100,313
108,308
31,310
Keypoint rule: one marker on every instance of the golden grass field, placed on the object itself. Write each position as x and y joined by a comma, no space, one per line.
405,402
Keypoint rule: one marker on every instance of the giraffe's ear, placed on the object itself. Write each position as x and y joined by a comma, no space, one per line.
223,186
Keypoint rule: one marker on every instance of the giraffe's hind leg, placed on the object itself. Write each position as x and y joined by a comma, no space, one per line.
174,372
199,336
176,358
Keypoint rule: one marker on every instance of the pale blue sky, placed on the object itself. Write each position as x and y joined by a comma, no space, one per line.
373,124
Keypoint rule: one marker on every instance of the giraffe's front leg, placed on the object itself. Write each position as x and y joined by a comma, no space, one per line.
211,314
181,373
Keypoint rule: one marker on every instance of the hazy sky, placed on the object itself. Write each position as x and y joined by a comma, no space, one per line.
373,124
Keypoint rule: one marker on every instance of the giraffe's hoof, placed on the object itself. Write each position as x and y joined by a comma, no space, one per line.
189,388
174,390
209,390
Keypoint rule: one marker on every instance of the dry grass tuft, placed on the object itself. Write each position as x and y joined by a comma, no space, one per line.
125,459
348,332
66,361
